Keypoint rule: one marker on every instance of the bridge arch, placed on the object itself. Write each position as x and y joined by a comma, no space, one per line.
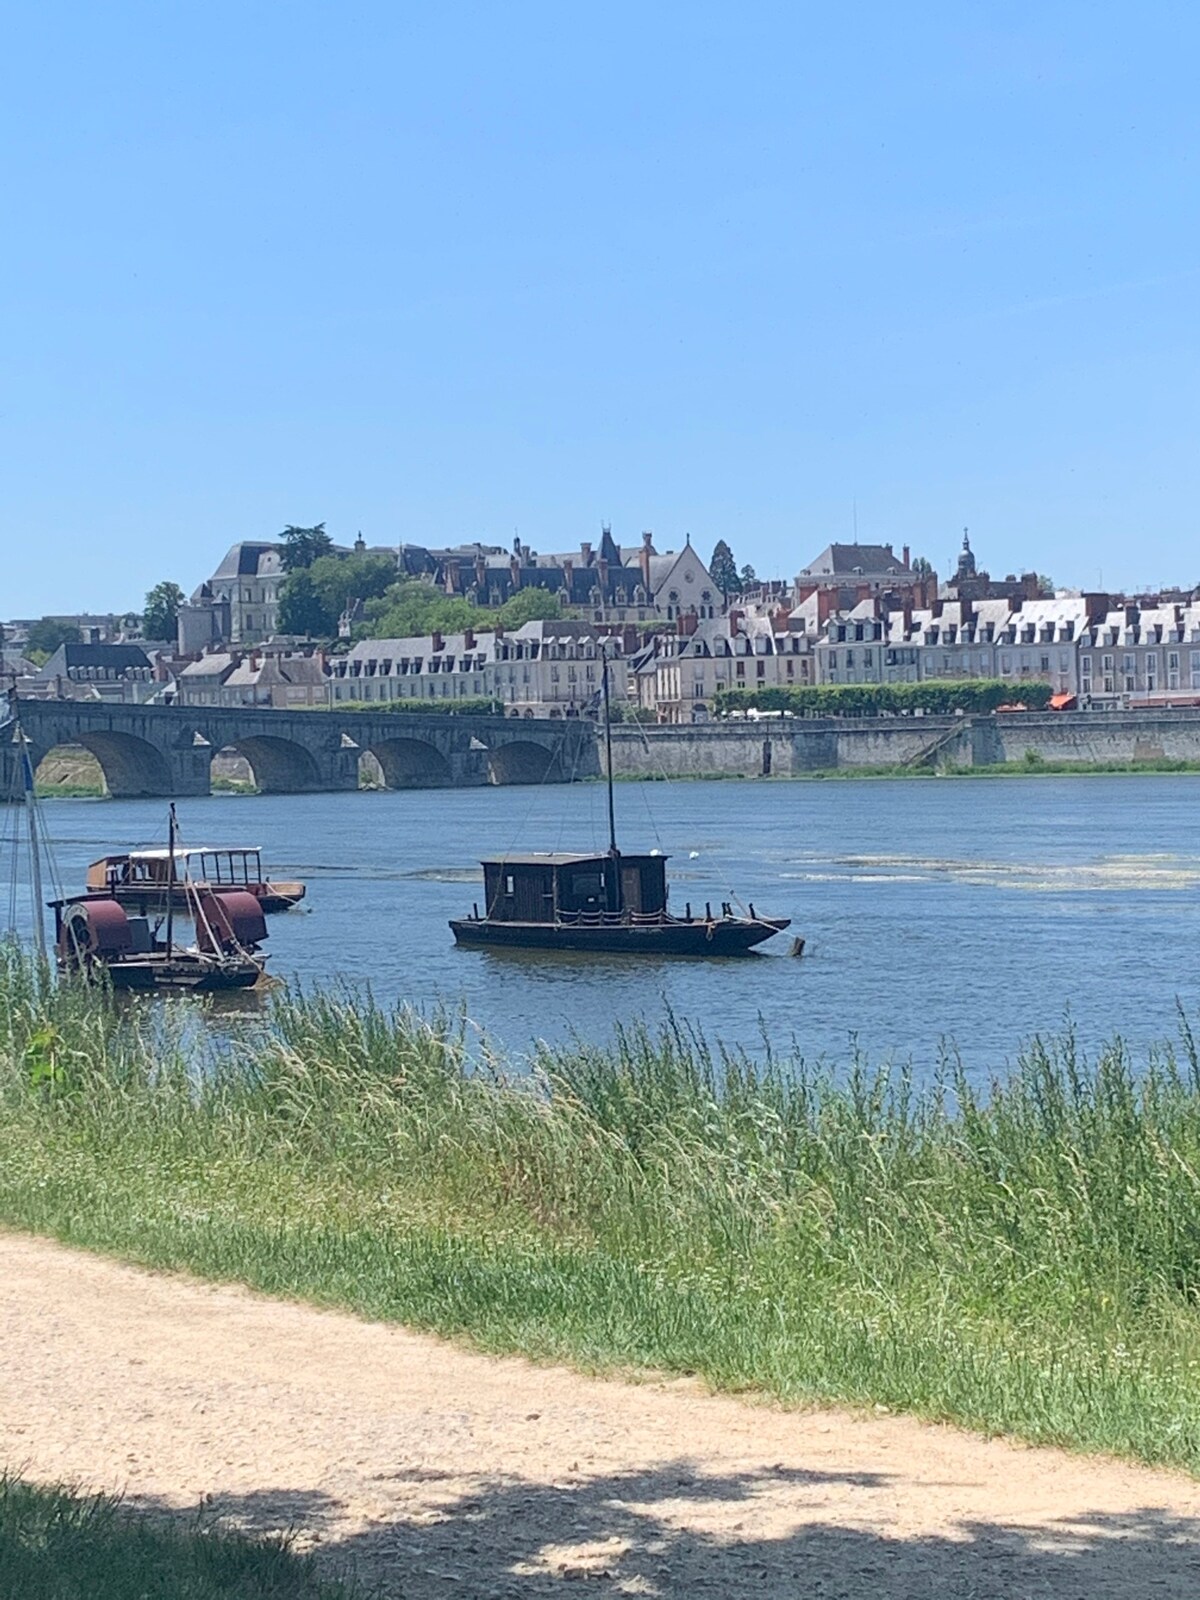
410,764
278,765
523,761
67,769
131,766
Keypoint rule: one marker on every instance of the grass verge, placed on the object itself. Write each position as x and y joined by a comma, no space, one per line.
1024,1260
57,1544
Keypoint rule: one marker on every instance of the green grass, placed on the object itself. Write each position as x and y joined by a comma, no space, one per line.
1024,1260
58,1544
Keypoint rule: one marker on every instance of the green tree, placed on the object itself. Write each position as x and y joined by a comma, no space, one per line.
412,608
338,580
303,546
300,608
49,633
527,605
1045,586
160,618
724,569
747,577
922,567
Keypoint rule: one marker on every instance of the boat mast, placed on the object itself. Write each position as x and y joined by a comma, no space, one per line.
612,815
170,878
31,822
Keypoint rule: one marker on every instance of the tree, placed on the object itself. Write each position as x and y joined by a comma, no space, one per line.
303,546
528,605
339,580
747,577
49,633
412,608
300,609
922,568
161,616
724,569
1045,586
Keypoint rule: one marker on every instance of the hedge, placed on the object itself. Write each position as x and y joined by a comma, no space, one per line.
870,699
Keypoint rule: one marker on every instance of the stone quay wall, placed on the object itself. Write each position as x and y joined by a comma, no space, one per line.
792,747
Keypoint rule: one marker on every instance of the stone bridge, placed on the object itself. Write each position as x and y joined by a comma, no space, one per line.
167,750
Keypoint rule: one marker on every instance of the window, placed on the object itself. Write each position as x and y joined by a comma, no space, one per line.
1151,665
868,658
833,661
1196,669
1129,671
1005,665
849,658
1045,664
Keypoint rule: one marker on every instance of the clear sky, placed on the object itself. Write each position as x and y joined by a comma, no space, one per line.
445,271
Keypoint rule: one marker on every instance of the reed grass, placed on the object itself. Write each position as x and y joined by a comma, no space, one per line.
1024,1258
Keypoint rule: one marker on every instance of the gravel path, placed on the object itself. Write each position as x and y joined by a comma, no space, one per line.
430,1470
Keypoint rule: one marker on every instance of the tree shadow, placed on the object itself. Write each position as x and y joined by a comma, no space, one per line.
677,1531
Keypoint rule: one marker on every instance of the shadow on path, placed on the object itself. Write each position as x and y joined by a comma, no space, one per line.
675,1531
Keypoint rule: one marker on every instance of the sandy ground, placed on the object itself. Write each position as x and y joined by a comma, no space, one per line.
429,1470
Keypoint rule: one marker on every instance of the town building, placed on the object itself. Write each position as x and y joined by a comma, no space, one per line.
122,673
1147,654
282,678
679,675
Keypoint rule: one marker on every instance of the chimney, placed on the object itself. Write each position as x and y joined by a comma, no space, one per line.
255,661
1131,616
687,624
468,639
826,605
905,554
644,555
735,621
1096,607
514,572
585,551
1030,587
438,642
862,592
781,621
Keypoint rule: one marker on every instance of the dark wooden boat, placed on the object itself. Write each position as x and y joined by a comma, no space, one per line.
610,903
142,880
607,903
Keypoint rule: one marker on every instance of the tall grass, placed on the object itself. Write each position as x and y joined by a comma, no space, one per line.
58,1544
1024,1259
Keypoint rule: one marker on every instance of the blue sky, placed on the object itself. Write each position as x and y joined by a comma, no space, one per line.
446,272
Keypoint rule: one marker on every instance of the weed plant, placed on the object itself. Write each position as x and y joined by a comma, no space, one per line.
1022,1259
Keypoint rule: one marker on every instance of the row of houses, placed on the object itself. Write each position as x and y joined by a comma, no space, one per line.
1084,646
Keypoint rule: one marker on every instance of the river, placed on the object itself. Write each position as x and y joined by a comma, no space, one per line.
972,912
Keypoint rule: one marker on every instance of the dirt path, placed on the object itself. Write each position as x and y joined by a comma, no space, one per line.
434,1471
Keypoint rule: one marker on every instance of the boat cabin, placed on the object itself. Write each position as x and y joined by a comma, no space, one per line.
223,867
566,888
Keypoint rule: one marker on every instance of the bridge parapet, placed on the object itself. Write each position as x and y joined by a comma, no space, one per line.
168,750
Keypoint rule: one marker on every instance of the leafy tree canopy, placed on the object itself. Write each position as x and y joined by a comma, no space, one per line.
747,576
724,569
337,580
303,546
527,605
300,608
1045,586
412,608
48,634
922,567
160,618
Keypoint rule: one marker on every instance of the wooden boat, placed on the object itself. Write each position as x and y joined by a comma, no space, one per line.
94,933
611,903
142,880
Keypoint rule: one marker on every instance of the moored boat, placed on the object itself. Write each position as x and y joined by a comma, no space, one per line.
610,903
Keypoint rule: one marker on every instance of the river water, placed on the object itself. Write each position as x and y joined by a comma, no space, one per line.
971,912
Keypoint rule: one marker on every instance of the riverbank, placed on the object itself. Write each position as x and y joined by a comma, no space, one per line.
1026,1263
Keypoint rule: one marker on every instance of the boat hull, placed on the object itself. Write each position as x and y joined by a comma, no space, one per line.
178,975
728,936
